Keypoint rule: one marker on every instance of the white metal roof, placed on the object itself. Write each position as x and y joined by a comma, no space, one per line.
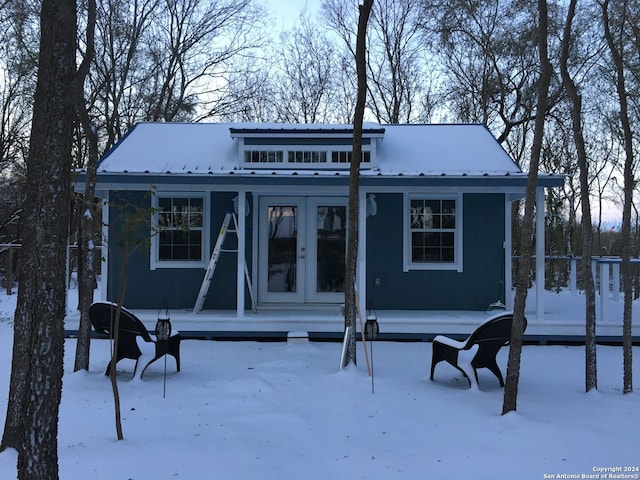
209,148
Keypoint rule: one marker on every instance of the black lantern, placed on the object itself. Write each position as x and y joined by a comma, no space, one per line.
163,326
371,328
163,332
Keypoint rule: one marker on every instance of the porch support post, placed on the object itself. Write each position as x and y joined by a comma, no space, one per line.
361,270
104,274
508,254
604,290
540,241
615,278
241,254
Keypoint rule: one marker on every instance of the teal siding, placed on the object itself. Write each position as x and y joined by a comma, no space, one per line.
147,288
472,289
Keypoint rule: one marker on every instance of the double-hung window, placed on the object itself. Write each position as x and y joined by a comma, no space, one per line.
433,232
179,235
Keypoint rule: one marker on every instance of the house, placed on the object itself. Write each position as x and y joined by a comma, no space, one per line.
434,216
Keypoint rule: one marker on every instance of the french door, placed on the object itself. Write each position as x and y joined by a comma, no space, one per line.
301,249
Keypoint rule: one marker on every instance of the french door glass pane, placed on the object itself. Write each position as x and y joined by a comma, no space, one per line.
282,249
331,248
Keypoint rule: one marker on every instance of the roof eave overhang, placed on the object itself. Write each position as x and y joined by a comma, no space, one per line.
490,180
108,181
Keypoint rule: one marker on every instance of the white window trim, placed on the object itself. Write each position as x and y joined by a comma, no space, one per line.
154,262
407,264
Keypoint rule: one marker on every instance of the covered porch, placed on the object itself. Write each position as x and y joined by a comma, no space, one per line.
563,323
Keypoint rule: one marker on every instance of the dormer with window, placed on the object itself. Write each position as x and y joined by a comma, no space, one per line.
304,147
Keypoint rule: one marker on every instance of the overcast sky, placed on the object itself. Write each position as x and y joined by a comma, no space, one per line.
287,11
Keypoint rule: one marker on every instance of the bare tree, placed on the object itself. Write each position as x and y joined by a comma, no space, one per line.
170,60
36,372
489,64
191,48
350,311
15,114
522,279
88,225
252,91
121,67
308,61
614,32
18,64
591,373
397,64
346,90
399,83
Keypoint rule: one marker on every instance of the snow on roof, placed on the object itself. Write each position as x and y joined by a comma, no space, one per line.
442,149
210,148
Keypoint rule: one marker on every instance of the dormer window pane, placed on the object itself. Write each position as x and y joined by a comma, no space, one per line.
307,157
262,156
345,157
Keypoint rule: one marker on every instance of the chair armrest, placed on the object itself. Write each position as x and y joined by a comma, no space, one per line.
147,353
465,359
450,342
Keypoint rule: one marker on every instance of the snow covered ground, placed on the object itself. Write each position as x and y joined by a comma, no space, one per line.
247,410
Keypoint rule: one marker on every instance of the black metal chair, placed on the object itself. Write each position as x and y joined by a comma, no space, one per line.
482,345
103,314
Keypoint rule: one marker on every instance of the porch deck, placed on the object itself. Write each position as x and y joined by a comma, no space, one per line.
326,323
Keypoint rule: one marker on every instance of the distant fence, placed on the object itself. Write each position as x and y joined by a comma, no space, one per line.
564,273
10,259
561,272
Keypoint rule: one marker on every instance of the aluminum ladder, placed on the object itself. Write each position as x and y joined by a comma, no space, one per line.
213,262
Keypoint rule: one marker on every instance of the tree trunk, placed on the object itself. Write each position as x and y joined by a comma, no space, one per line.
354,182
36,372
625,268
87,249
591,372
114,351
522,278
